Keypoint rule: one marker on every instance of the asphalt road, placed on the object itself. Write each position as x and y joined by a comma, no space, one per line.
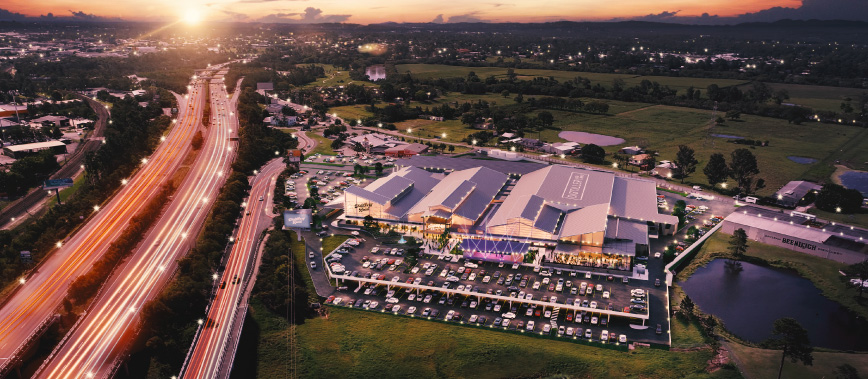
96,344
211,348
18,209
42,292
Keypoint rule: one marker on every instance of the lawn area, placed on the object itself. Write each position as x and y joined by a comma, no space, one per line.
761,363
685,334
358,344
446,71
666,127
823,98
454,129
332,242
351,112
323,146
334,77
822,272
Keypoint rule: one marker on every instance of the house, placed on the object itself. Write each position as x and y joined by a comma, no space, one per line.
530,143
631,150
791,193
407,150
665,169
58,121
280,120
638,161
436,118
507,135
565,148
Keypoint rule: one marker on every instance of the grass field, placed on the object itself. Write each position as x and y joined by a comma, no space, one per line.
66,192
686,334
351,112
822,272
858,219
332,242
335,77
761,363
666,127
445,71
823,98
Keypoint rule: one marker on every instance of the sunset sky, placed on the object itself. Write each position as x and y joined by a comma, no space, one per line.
374,11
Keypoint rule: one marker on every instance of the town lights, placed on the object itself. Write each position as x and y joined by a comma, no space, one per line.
214,276
96,208
22,280
124,181
444,135
474,142
200,321
614,165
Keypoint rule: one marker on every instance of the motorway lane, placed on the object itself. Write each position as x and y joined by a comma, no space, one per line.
44,290
206,360
94,346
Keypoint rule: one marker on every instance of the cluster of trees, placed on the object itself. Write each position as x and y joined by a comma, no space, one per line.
283,75
168,321
836,198
26,173
742,168
276,273
73,109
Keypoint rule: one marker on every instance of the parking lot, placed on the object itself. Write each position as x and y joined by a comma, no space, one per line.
499,296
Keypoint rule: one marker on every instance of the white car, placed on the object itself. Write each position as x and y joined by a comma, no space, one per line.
427,299
497,307
509,315
411,310
396,279
366,264
373,305
657,255
375,250
599,287
593,304
452,279
553,299
313,265
536,285
530,325
604,335
605,294
411,297
486,279
570,331
473,318
338,301
472,277
622,338
594,320
414,270
310,254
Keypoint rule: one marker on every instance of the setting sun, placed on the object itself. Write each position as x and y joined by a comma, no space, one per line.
192,17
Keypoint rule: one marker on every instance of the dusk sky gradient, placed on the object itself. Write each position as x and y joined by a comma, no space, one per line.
375,11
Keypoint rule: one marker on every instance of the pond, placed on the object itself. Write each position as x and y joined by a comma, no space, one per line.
376,72
857,180
726,136
802,160
749,301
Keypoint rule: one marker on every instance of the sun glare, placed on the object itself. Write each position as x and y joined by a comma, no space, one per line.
192,17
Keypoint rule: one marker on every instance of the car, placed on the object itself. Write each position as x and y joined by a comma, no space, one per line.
473,304
536,285
411,310
569,317
588,333
622,338
657,282
656,255
537,313
569,331
554,299
638,292
392,300
338,301
625,280
358,303
561,330
313,265
310,254
473,318
426,312
593,305
396,308
530,325
547,328
442,300
373,305
551,287
261,198
509,315
435,312
354,232
497,321
589,290
449,315
497,307
427,299
329,300
594,320
506,322
605,294
547,314
585,303
604,336
546,281
599,287
452,279
603,321
529,312
659,329
486,279
375,250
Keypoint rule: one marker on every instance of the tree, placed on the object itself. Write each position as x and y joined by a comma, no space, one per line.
369,223
835,198
451,148
378,168
860,271
649,162
792,338
743,168
845,371
716,169
685,161
197,140
733,114
593,154
738,243
545,118
687,306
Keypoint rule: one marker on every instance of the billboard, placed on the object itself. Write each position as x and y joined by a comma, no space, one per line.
298,219
57,183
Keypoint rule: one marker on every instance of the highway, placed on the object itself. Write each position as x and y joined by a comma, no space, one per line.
40,294
214,348
95,346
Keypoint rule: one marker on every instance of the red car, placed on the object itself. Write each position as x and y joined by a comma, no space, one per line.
538,313
569,317
410,280
330,300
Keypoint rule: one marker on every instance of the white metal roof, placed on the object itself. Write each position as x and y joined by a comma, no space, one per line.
781,227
